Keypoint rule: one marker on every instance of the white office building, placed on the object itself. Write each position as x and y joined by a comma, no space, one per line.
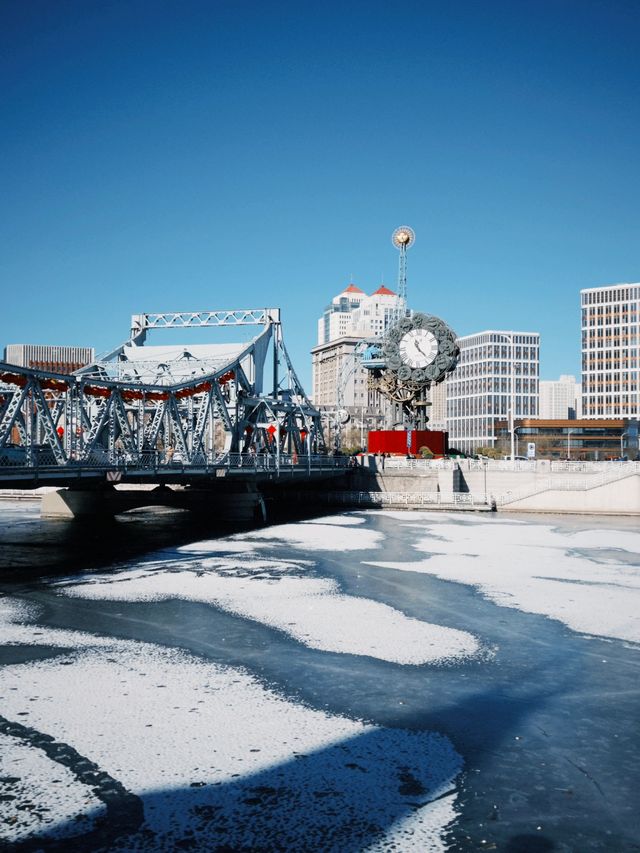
336,320
352,312
338,379
496,379
558,399
610,341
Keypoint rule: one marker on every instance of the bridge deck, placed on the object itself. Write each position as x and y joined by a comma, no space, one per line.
156,469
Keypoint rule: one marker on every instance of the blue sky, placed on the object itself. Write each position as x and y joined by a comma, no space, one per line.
205,155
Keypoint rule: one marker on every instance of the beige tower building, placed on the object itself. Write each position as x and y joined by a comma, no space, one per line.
337,376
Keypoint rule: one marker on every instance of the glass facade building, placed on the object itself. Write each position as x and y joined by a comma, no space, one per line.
576,440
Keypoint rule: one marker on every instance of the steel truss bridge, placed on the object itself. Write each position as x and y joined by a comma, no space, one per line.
170,414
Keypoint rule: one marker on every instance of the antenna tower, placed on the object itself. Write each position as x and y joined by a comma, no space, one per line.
402,238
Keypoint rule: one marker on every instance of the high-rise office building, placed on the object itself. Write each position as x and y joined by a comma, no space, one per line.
496,379
610,340
558,398
337,376
352,312
336,320
338,379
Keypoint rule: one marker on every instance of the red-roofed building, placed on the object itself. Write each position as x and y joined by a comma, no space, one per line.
383,291
352,312
350,317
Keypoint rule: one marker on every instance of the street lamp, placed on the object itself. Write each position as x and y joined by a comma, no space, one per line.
484,466
622,437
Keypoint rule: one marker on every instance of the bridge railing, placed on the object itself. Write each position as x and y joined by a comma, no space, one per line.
156,461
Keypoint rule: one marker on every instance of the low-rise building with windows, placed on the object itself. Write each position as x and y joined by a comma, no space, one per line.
54,359
576,440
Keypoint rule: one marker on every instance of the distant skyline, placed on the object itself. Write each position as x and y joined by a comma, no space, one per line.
212,155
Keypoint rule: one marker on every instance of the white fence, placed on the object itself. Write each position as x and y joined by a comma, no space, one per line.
457,500
531,465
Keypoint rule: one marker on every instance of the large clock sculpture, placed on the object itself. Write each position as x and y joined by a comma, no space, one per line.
418,351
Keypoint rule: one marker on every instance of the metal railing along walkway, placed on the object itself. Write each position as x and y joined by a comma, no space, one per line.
457,500
161,464
576,484
529,465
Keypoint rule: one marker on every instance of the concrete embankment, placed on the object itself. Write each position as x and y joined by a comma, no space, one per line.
543,486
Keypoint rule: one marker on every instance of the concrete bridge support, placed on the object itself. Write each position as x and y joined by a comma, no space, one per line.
242,504
72,503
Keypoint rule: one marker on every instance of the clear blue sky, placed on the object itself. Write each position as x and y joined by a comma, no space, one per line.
203,155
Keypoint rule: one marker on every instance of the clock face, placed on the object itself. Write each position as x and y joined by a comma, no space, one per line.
418,348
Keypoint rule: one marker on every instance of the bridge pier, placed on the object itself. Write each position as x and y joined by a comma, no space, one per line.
244,503
72,503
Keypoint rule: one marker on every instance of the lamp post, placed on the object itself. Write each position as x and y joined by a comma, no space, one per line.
569,431
622,437
484,467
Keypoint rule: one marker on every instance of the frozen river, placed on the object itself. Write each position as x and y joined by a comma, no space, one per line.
369,681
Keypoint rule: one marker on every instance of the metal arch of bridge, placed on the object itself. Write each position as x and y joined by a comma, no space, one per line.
101,416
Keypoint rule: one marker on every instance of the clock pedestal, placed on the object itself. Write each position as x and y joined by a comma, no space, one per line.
398,442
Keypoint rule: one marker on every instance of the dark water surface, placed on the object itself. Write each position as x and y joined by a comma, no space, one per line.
548,726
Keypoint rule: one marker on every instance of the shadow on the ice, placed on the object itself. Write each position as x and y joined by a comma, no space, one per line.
34,548
344,797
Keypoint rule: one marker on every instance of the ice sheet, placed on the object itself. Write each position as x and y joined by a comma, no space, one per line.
212,751
40,796
311,610
312,536
19,626
587,579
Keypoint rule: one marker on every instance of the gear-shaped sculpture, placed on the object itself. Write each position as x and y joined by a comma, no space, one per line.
418,351
424,344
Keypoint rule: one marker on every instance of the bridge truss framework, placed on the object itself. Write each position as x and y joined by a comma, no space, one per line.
106,413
